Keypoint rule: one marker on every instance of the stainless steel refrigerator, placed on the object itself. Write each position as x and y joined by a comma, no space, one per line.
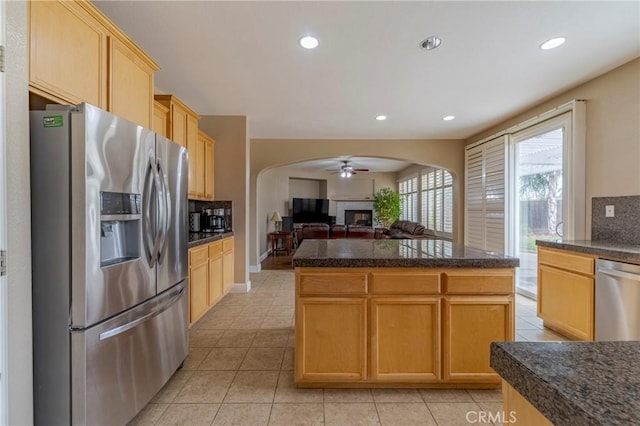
109,250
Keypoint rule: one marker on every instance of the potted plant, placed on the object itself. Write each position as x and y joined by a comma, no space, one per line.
386,205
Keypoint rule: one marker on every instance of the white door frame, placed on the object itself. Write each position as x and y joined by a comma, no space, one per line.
4,393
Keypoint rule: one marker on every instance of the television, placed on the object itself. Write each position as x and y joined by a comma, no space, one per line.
308,210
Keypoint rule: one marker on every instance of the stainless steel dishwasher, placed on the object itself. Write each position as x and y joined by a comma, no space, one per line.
617,300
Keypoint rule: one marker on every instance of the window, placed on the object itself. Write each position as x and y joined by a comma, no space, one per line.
436,204
408,190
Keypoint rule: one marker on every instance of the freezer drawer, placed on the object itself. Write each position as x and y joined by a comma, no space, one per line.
118,366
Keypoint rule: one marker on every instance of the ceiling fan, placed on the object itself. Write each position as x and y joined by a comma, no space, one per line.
346,170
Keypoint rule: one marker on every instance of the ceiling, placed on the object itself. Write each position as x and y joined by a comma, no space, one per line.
242,58
378,165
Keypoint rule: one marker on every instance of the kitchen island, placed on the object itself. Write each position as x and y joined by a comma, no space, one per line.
570,383
398,313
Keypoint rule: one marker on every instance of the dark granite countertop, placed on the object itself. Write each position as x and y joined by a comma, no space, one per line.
358,253
603,249
574,383
200,238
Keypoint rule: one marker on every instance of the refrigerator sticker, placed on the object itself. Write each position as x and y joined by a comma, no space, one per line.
53,121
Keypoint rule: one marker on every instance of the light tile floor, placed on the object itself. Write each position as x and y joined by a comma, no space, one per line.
240,372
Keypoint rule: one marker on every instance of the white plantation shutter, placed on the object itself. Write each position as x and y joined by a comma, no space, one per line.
485,190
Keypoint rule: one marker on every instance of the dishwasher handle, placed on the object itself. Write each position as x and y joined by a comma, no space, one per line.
619,274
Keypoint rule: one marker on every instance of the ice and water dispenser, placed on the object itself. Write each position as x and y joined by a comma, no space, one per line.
120,221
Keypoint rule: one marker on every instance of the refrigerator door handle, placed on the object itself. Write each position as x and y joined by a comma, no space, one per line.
166,207
147,238
159,216
128,326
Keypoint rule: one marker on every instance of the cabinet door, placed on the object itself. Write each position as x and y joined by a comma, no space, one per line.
470,325
208,168
405,339
198,283
200,166
331,338
227,270
130,84
216,289
195,154
161,119
68,53
565,302
178,125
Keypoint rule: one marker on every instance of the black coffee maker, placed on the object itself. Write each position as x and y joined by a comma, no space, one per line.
213,220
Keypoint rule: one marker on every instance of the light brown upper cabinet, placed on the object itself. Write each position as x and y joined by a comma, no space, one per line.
78,55
160,119
207,176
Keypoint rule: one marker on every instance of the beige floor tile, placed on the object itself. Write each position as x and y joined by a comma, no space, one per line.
348,395
246,323
253,386
243,415
195,358
149,415
445,395
271,338
223,359
236,339
495,412
540,335
297,414
396,395
520,338
206,387
286,391
263,359
277,322
204,338
486,395
189,414
288,359
401,414
169,391
291,341
281,311
341,414
215,324
454,413
255,311
522,324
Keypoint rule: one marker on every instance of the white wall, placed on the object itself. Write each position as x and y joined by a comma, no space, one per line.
19,375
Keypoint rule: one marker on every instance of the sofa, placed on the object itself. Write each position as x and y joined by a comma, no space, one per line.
324,231
405,229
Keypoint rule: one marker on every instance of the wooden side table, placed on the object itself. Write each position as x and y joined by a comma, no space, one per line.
276,238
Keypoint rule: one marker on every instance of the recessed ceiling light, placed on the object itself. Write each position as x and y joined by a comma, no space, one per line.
553,43
430,43
381,117
308,42
448,117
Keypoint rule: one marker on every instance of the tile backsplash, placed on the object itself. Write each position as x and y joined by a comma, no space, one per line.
623,227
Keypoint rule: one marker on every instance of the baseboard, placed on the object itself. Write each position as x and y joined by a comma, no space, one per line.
241,288
258,267
255,268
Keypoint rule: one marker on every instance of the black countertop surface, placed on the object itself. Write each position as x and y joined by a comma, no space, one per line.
427,253
199,238
574,383
603,249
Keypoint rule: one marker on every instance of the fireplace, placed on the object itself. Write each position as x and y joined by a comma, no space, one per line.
358,217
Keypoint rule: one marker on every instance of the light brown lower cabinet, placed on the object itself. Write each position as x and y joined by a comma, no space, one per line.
332,337
517,410
405,339
471,323
209,269
352,331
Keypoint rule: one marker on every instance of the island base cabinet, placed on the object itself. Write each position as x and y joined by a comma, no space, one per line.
470,325
331,338
405,339
517,410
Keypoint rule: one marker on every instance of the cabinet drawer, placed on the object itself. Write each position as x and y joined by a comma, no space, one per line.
479,281
215,249
198,255
405,283
333,283
227,244
580,263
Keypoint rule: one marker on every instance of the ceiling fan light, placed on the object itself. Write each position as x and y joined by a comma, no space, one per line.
348,173
343,174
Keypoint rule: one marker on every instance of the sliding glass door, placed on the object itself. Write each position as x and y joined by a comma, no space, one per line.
539,182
